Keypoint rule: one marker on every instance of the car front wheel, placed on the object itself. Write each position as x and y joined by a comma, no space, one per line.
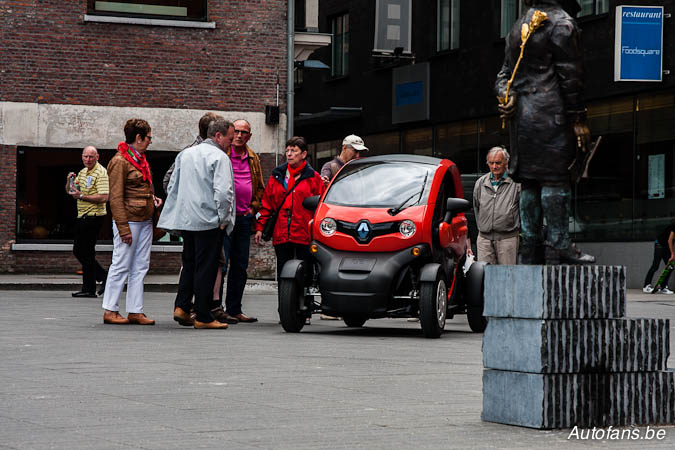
433,307
290,296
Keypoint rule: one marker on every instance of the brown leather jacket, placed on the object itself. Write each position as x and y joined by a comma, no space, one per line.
131,197
257,183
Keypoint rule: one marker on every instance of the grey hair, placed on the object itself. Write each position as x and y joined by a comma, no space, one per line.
499,148
218,126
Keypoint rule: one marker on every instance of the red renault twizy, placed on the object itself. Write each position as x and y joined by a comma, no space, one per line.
389,239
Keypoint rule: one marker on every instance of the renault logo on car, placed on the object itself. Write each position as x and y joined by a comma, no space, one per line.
363,230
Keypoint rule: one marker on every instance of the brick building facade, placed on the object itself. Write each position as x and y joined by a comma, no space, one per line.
71,75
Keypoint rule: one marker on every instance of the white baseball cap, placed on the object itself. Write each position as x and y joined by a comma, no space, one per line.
355,142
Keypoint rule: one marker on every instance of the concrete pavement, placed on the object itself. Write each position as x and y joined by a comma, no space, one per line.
71,382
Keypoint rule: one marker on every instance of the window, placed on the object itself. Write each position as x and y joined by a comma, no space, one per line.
447,25
511,10
591,7
340,30
158,9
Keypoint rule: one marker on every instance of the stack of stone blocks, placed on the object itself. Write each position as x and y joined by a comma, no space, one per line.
558,351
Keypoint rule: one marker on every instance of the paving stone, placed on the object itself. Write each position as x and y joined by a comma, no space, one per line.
548,401
555,292
576,346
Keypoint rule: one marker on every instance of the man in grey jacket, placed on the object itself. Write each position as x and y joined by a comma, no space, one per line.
200,206
496,199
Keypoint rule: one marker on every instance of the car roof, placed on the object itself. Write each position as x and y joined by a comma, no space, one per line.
398,157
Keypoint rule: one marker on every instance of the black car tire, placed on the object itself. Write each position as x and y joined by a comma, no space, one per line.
354,321
477,322
290,295
433,307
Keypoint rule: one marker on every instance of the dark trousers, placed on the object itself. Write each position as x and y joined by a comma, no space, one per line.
237,249
660,254
84,249
200,266
289,250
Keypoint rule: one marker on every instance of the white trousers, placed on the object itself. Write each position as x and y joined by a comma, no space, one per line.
504,251
130,263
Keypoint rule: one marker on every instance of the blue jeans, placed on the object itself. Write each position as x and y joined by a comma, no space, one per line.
237,246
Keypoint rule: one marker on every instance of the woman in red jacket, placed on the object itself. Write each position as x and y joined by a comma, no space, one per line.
291,231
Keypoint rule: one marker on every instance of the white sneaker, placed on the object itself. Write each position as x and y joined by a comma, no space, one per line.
648,289
665,290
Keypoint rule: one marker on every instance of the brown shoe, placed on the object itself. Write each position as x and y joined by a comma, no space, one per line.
140,319
114,318
182,317
215,325
246,319
221,316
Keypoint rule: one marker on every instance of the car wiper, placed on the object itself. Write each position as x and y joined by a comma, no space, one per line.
399,208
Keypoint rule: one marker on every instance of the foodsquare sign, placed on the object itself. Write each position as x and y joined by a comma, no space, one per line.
638,45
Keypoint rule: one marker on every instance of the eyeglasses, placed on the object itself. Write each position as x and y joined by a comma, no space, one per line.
149,138
242,132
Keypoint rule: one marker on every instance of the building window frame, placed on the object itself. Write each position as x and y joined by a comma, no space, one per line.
447,25
181,10
340,47
510,11
593,7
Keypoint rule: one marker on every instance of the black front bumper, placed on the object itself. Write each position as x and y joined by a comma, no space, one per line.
360,283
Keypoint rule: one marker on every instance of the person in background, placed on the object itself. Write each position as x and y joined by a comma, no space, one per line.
291,231
248,189
496,203
352,146
200,206
90,188
132,203
663,251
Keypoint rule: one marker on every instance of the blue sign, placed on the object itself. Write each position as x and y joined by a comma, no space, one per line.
409,93
638,52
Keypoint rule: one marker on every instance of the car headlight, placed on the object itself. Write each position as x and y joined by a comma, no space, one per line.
328,226
407,228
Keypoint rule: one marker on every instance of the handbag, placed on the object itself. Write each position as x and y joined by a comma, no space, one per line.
268,229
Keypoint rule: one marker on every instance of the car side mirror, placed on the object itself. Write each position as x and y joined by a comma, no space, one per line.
455,206
311,203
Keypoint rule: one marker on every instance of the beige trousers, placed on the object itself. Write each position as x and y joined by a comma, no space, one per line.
504,251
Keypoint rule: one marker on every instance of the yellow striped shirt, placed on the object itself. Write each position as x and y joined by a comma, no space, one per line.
92,182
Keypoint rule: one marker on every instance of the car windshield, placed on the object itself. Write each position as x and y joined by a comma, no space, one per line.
381,185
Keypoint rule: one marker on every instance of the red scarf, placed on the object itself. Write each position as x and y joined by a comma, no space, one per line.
292,173
137,160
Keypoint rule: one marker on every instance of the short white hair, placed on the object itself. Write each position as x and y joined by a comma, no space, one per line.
499,148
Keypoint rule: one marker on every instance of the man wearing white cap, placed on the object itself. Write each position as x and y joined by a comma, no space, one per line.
352,146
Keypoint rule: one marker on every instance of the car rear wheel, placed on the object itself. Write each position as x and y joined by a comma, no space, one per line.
290,296
354,321
433,307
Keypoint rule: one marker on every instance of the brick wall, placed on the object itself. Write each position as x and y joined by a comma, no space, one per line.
50,55
7,206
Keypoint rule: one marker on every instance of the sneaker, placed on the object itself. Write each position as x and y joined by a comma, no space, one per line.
648,289
665,290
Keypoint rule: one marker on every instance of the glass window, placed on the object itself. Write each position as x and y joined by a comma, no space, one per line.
459,142
45,212
418,142
173,9
447,25
340,29
381,185
590,7
510,11
382,144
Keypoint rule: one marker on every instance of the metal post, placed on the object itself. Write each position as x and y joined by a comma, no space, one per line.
289,67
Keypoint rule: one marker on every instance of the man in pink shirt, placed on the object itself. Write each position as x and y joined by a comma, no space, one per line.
248,191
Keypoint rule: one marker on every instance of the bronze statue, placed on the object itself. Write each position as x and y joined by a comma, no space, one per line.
543,76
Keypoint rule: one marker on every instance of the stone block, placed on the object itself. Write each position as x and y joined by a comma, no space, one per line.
548,401
576,345
555,292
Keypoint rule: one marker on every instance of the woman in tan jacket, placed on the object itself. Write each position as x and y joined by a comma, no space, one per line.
132,203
